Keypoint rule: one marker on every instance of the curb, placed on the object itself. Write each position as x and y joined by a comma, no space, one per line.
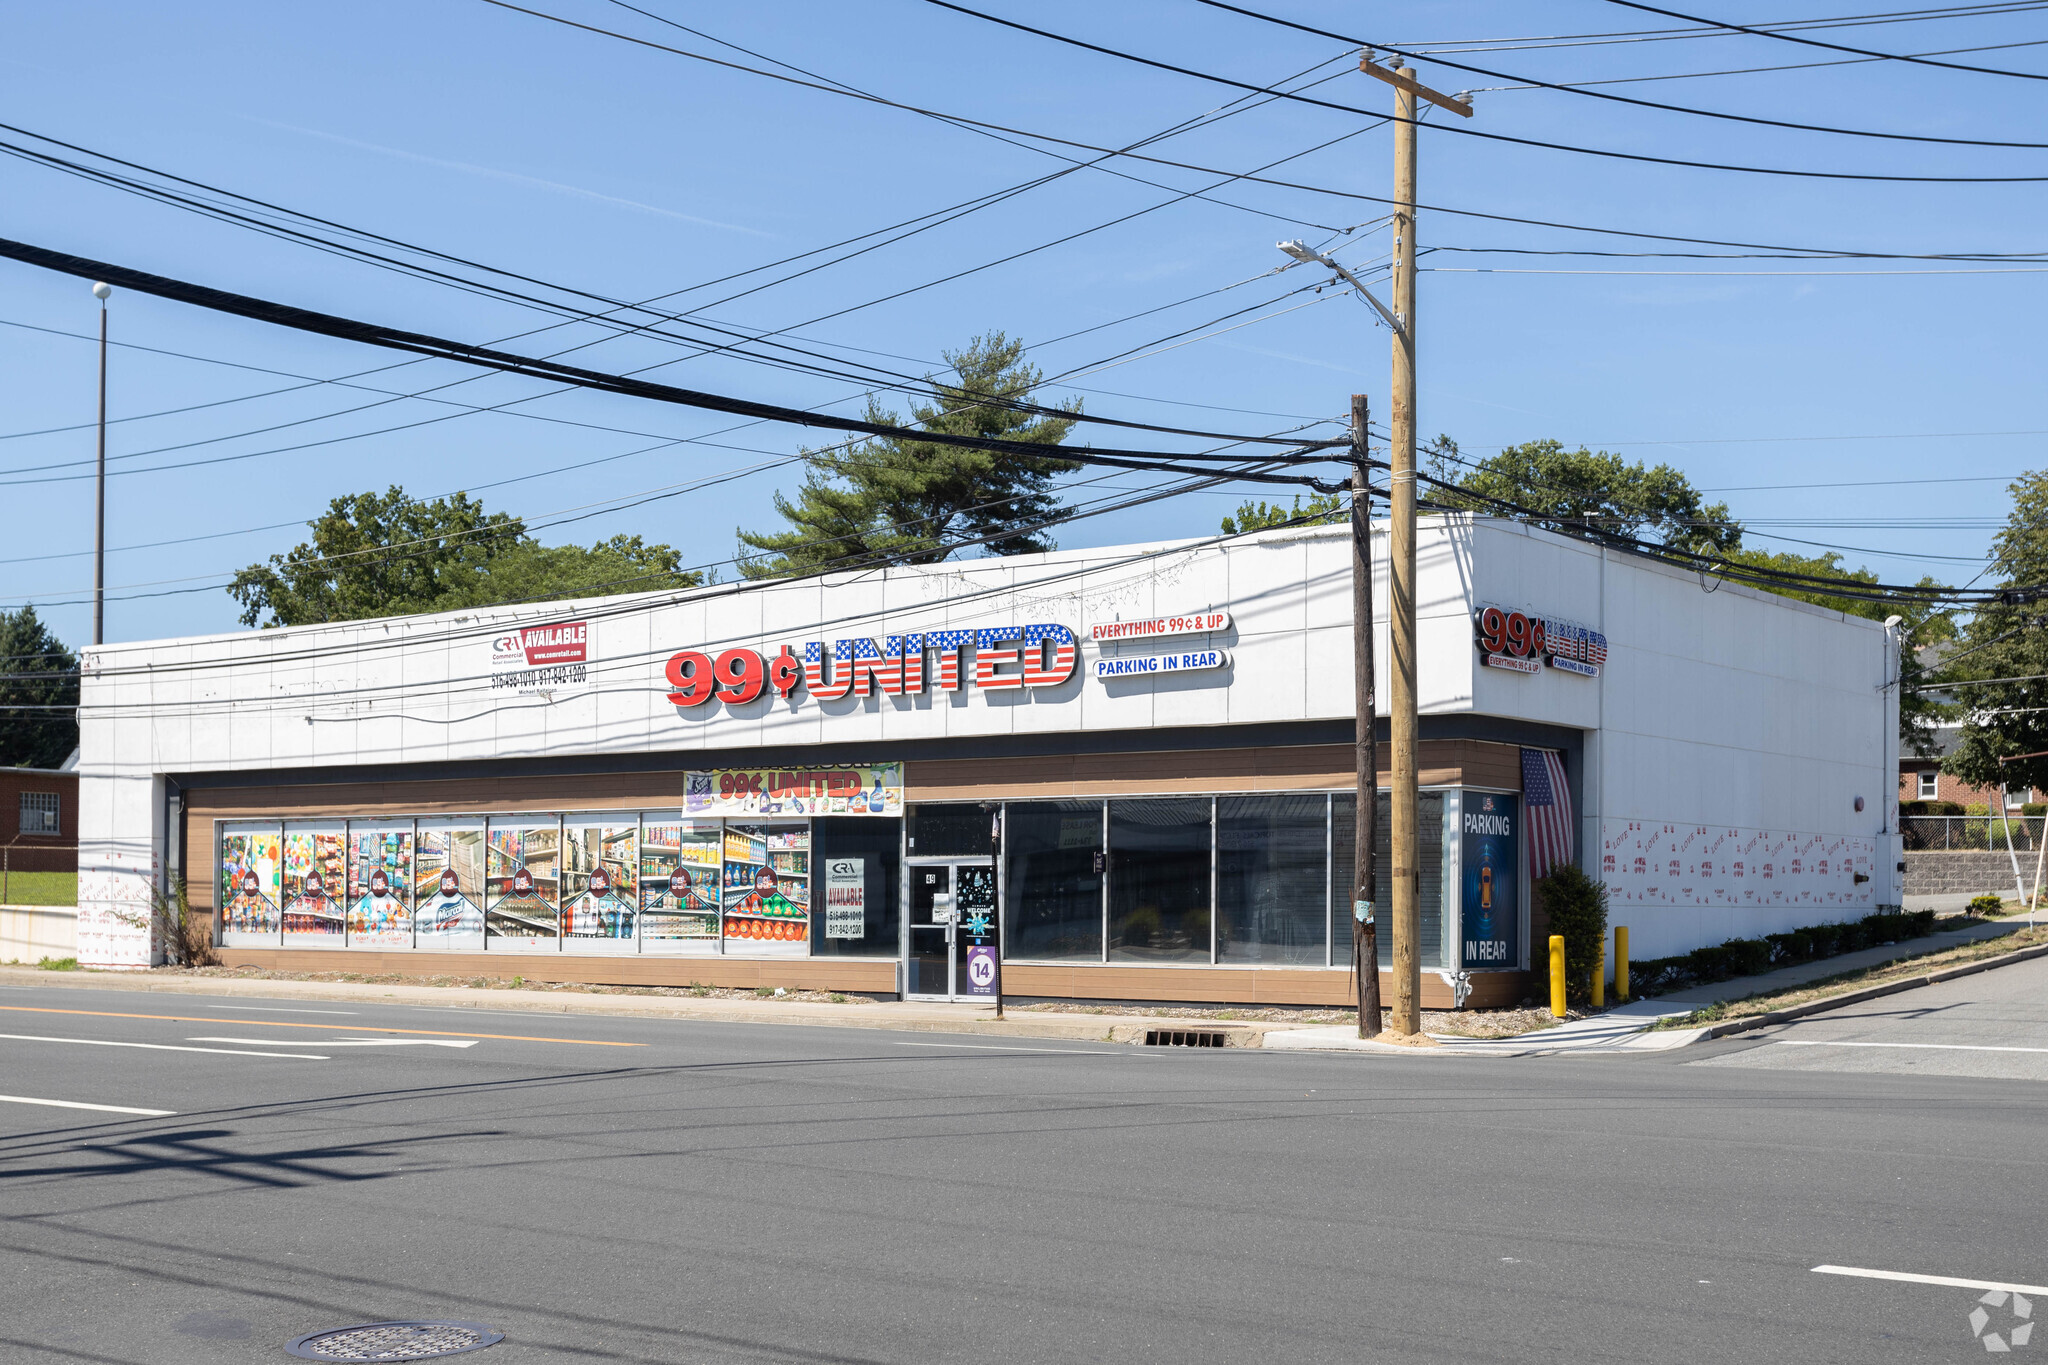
1128,1029
1744,1025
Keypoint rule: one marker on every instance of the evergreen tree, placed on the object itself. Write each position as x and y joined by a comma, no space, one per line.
901,497
40,674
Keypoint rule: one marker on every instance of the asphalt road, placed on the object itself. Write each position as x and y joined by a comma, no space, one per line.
1994,1024
640,1190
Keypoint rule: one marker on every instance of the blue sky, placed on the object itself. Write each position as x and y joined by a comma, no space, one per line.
629,172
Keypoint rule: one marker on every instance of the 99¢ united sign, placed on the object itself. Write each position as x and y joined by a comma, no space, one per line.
993,658
1522,642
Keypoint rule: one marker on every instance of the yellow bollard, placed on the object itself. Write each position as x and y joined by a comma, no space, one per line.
1600,976
1620,963
1557,975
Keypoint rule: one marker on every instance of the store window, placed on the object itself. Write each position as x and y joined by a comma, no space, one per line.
448,882
1272,874
1429,820
315,882
600,877
1160,880
768,887
679,881
380,885
522,881
251,867
952,829
859,866
1052,880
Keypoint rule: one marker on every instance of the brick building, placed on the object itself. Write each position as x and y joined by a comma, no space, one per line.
39,818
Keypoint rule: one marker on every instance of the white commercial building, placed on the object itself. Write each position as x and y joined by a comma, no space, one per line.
1114,773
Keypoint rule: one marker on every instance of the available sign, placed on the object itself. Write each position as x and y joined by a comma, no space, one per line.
864,789
846,898
1523,643
535,659
1151,665
1159,627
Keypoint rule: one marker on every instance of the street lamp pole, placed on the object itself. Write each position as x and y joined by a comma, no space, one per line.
99,512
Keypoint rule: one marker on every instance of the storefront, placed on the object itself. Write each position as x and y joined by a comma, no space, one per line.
1021,774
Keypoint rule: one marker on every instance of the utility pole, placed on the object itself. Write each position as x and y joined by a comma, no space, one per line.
1365,945
1403,721
99,515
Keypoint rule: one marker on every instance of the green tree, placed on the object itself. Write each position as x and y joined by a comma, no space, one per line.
1569,488
36,672
388,554
1261,516
910,498
2008,640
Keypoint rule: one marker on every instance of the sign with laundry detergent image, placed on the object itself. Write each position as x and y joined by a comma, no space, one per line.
1490,881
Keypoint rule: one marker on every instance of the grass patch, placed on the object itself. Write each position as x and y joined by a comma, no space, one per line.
40,888
59,964
1845,982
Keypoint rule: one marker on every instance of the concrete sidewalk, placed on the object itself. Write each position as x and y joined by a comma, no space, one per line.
857,1012
1624,1029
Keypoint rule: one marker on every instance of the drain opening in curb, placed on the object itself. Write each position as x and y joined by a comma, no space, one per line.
1174,1037
394,1341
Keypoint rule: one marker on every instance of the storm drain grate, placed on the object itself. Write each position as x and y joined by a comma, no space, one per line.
1175,1037
394,1341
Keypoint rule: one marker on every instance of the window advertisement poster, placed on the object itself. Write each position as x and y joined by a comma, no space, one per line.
522,880
315,882
251,868
846,898
600,874
767,888
448,886
866,789
679,880
1490,882
380,885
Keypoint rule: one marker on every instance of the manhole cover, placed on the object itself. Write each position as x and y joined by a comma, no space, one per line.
394,1341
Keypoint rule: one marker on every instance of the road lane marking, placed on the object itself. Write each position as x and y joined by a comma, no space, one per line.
345,1042
159,1047
273,1009
1948,1280
345,1028
97,1108
998,1047
1938,1047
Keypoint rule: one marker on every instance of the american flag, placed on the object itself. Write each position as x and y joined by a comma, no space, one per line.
1547,806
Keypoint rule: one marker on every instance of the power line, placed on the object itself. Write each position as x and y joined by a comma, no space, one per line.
1832,47
1524,141
1658,35
1533,83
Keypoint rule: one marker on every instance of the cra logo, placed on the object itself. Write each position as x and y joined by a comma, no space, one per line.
2019,1328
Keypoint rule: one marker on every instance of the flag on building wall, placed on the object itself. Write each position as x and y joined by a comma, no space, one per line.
1546,810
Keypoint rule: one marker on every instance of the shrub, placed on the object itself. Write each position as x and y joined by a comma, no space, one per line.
1577,907
2034,808
1931,808
1987,904
1750,956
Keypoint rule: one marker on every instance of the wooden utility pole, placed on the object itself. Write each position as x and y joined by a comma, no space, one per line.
1402,719
1365,943
1403,724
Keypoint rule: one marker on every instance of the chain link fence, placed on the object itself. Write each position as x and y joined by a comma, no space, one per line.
1981,832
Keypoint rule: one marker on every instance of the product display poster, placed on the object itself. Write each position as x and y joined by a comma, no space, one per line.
600,874
767,888
1490,884
679,880
315,881
380,885
861,789
251,868
846,898
522,879
448,887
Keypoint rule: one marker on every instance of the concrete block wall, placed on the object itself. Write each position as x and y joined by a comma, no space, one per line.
1938,872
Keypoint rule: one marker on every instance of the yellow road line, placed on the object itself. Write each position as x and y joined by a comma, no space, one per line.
345,1028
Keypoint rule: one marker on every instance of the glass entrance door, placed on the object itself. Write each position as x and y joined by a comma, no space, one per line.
952,904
